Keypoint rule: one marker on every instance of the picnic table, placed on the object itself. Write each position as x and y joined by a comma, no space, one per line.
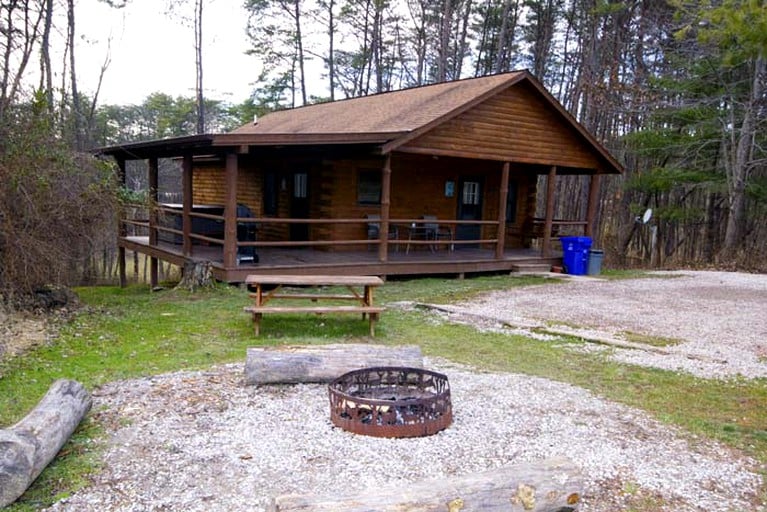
266,288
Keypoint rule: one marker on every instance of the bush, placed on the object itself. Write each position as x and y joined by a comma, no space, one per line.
57,207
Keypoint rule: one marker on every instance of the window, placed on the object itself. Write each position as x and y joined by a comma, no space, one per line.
369,186
270,193
471,192
299,185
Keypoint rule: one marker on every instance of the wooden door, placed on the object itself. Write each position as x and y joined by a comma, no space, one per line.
470,192
299,206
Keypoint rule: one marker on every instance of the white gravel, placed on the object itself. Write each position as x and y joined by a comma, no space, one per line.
201,441
719,318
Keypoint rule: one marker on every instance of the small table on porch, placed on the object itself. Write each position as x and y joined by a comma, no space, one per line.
360,291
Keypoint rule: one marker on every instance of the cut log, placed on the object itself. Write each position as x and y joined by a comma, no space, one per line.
322,363
30,445
552,485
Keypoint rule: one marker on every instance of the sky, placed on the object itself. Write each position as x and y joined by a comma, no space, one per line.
153,52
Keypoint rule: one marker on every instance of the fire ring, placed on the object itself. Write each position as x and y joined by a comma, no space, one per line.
390,401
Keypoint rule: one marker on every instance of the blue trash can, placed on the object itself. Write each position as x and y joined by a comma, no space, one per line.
575,254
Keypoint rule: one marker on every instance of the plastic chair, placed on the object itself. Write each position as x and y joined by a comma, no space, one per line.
436,232
374,229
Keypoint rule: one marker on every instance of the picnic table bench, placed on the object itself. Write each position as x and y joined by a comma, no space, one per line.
360,291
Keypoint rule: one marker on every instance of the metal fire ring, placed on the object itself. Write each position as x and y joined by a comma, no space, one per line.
391,401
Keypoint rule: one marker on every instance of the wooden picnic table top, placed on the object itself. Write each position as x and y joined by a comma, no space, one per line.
313,280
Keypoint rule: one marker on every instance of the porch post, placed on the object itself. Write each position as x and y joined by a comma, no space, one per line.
153,196
230,211
504,196
122,230
591,211
187,201
550,189
383,232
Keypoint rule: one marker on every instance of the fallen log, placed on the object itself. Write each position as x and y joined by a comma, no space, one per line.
552,485
30,445
322,363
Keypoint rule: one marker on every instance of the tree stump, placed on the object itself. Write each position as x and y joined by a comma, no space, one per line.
31,444
196,274
322,363
552,485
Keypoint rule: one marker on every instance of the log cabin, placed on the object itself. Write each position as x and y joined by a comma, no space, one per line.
437,179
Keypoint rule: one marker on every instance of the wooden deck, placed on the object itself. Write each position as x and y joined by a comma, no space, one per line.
360,262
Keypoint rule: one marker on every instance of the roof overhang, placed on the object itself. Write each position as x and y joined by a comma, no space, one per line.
236,142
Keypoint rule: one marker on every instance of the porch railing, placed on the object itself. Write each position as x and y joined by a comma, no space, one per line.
140,226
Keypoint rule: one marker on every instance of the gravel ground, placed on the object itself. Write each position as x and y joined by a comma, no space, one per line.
719,318
203,441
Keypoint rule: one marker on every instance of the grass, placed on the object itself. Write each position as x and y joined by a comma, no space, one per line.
131,332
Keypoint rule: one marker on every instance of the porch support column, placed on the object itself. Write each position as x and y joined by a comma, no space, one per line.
383,232
153,196
230,211
591,211
122,230
550,189
187,201
504,196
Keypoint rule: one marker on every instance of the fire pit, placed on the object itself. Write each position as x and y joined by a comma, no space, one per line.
390,401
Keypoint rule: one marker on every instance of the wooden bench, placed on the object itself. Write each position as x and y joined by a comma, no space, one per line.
360,290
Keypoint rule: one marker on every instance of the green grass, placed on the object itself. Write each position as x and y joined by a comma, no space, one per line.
131,332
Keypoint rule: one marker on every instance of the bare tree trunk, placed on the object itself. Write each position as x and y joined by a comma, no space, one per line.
741,160
46,73
198,65
76,110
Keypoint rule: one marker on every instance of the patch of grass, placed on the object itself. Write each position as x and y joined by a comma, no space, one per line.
655,341
131,332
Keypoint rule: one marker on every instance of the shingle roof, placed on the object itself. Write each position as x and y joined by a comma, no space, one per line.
392,112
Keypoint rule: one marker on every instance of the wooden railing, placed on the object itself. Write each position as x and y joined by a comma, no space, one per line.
534,230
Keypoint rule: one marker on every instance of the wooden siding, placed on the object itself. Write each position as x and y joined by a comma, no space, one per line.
208,186
516,125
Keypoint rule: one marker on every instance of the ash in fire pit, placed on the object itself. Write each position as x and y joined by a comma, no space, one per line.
391,401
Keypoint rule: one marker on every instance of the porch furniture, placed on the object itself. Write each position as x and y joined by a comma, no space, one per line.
374,230
436,232
360,291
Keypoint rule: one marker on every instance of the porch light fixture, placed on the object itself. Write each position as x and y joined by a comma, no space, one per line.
449,188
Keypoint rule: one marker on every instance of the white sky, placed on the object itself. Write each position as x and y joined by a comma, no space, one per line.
153,52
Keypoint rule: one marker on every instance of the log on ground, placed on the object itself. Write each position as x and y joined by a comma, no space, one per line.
552,485
322,363
30,445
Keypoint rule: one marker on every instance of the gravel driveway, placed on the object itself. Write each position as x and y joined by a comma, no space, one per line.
718,318
202,441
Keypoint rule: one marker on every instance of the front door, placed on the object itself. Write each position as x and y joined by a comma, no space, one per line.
299,206
469,208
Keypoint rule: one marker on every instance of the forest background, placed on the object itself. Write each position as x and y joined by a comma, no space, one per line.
674,89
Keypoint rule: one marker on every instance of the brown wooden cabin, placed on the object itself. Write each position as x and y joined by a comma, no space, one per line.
335,188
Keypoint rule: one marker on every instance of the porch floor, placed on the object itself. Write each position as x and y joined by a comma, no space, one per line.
418,261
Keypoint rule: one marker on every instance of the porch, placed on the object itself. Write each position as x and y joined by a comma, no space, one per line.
363,261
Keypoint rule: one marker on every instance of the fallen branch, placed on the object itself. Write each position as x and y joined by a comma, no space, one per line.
322,363
553,485
30,445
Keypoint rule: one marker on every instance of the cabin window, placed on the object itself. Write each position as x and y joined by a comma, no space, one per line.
299,185
471,192
369,186
271,192
511,203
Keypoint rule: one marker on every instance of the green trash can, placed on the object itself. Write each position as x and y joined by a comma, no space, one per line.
595,262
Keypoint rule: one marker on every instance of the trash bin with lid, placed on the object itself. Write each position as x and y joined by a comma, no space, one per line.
595,262
575,254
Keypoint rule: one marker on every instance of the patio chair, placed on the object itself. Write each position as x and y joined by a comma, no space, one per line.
374,230
436,232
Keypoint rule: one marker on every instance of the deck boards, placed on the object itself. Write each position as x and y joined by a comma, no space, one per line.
364,261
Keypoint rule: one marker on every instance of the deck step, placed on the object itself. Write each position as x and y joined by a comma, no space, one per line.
531,268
